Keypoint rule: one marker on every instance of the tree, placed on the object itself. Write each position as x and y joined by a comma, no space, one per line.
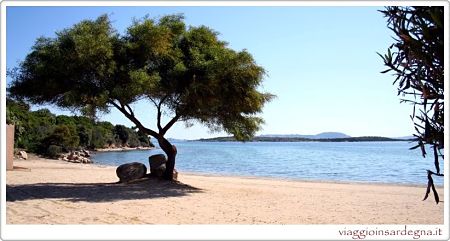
418,64
17,114
84,134
122,134
64,136
187,73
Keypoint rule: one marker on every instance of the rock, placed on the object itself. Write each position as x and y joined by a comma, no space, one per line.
23,155
157,160
84,160
76,157
131,171
63,157
85,153
157,164
71,156
158,172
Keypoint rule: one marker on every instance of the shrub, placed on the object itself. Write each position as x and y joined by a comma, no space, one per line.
54,151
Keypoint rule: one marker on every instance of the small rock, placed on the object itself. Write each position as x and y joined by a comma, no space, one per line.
23,155
131,171
74,158
71,156
85,153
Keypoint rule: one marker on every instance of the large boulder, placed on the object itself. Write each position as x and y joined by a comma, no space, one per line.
131,171
157,164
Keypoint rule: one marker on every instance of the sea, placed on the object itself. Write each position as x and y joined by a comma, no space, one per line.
364,162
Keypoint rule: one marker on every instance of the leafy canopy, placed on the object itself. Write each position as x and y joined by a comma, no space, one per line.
186,72
417,61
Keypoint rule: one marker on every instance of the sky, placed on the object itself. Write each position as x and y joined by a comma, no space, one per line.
321,63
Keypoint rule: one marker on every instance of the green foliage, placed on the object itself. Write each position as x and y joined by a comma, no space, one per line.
64,136
417,61
133,141
84,133
31,127
17,114
121,133
65,120
186,72
44,133
54,151
144,139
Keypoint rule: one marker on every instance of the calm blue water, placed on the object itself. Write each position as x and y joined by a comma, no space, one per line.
380,162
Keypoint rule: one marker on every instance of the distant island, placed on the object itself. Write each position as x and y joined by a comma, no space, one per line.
322,137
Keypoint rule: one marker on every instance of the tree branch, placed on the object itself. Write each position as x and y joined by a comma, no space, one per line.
129,109
170,124
133,119
153,101
158,107
159,119
160,113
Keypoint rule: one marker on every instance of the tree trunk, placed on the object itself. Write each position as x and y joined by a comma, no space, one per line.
171,152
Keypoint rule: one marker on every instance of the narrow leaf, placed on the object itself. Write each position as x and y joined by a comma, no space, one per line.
436,195
428,188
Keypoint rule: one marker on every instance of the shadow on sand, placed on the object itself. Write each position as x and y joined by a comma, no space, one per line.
99,192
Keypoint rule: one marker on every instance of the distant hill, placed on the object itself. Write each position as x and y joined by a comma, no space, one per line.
302,139
323,135
176,140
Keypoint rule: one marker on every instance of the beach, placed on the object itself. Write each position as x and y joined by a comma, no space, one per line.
47,191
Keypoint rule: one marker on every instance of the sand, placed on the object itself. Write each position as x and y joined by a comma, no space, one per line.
57,192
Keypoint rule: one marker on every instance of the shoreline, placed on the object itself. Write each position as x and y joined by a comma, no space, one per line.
231,175
52,189
118,149
319,181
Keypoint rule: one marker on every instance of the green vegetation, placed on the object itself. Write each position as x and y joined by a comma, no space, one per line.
417,61
187,73
301,139
45,133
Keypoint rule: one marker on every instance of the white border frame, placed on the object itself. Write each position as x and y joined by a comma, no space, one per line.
205,232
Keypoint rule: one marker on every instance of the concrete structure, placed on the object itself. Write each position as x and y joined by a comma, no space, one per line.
9,147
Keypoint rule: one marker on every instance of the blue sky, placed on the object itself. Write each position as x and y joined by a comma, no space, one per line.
321,62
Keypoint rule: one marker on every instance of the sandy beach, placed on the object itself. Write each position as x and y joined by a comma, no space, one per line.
57,192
